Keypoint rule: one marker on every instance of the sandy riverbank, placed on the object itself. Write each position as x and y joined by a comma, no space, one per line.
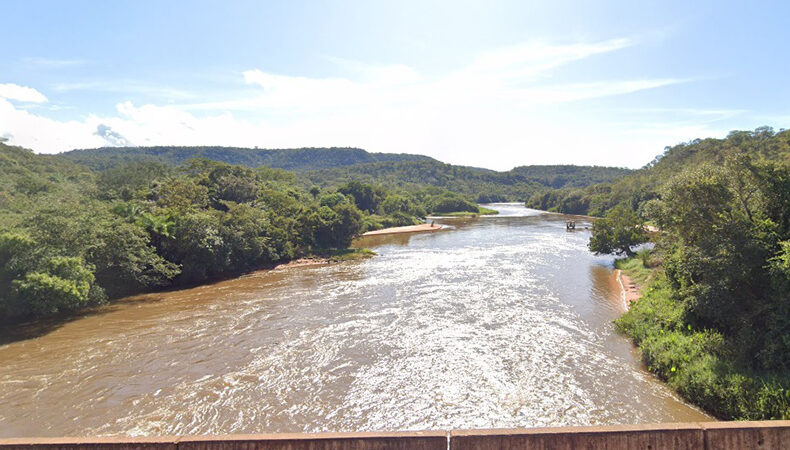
407,229
629,291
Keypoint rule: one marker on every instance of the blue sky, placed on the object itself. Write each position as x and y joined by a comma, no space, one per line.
491,84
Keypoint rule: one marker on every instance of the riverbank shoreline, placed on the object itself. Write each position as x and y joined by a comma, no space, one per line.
629,290
31,328
695,362
328,258
334,337
582,216
482,212
423,227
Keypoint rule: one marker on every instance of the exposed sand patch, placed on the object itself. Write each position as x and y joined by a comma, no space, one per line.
630,291
406,229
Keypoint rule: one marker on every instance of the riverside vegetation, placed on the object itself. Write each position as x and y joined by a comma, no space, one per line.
72,237
87,226
714,318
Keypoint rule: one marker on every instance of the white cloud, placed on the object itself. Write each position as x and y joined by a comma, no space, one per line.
506,74
19,93
43,134
534,57
124,87
500,110
51,63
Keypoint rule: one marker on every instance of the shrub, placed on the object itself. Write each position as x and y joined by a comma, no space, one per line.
65,285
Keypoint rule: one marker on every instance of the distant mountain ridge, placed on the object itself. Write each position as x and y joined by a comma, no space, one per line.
333,166
480,184
296,159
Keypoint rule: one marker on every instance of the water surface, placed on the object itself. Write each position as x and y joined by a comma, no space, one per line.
497,322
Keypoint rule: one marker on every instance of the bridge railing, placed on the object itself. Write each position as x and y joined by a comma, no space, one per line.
701,435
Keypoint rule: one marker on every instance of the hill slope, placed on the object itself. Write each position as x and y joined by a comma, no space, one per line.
714,317
635,189
482,185
331,167
299,159
28,180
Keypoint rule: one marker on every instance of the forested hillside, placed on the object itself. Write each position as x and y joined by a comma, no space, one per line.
714,319
480,185
71,237
298,159
639,187
331,167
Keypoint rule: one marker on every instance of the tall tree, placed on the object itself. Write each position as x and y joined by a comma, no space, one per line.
618,233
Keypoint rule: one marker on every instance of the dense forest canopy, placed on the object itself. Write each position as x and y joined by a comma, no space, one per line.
332,167
71,237
483,186
297,159
715,320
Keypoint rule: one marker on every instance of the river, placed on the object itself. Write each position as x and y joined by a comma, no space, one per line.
501,321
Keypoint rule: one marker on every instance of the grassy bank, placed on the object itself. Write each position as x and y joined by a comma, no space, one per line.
636,268
701,365
481,212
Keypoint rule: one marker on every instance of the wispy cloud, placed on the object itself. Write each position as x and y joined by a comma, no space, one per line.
535,57
125,87
514,73
19,93
44,134
52,63
500,109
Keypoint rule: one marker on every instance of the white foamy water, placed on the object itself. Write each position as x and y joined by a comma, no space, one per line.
500,322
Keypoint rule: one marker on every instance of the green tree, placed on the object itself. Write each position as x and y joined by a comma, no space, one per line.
395,203
448,203
332,200
197,246
725,253
180,194
618,232
19,255
64,285
333,227
366,196
246,233
348,225
318,227
126,181
124,260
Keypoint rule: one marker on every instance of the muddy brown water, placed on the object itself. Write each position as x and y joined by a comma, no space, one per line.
497,322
